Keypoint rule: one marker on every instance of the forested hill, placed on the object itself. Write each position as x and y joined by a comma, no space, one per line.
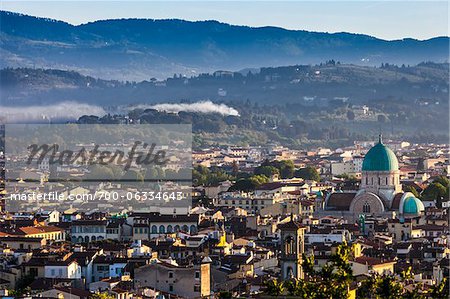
291,84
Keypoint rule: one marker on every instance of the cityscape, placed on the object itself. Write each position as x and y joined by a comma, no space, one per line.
190,158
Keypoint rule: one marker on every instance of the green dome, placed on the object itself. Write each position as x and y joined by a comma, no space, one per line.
412,205
380,158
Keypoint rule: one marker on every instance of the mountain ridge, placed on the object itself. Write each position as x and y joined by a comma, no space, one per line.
138,49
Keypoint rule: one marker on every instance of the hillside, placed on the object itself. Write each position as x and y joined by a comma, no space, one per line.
295,105
298,84
138,49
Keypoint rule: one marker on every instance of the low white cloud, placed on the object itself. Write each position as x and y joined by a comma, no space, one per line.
62,111
201,107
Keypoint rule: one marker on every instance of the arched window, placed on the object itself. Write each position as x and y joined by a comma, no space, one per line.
193,229
93,238
289,245
366,207
169,229
154,229
379,181
185,228
177,228
162,229
290,272
386,180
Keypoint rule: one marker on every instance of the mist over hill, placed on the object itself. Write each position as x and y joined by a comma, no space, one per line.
139,49
323,104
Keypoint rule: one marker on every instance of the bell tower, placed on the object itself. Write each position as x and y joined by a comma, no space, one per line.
292,248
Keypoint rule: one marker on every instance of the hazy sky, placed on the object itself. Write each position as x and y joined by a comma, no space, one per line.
384,19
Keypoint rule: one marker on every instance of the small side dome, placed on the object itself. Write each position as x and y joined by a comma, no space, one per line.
413,206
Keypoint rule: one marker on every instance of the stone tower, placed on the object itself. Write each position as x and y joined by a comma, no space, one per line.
292,248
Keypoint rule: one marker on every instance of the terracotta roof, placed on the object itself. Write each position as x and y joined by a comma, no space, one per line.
290,225
74,291
270,186
340,201
32,230
371,261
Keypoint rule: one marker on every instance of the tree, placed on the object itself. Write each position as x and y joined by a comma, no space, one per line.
331,281
285,167
308,173
100,172
102,295
437,190
440,290
268,171
297,288
387,287
132,176
275,288
367,287
225,295
245,185
413,191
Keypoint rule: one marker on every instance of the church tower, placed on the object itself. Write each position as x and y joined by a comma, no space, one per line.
292,248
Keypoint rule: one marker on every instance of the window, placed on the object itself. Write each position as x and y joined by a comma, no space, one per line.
193,229
52,272
197,288
386,180
366,208
170,274
162,229
154,229
197,274
171,288
289,245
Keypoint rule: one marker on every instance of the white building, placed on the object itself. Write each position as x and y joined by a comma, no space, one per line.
62,269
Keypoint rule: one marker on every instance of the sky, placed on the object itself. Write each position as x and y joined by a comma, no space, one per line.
383,19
